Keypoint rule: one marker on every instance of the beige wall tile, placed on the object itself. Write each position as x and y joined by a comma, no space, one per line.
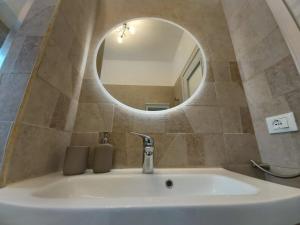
177,122
246,169
40,104
247,124
122,121
293,99
204,119
56,69
231,119
61,113
146,124
230,93
94,117
91,92
240,148
283,77
39,16
258,90
37,151
119,140
5,128
12,87
206,96
27,56
85,139
221,70
271,150
50,107
176,153
214,150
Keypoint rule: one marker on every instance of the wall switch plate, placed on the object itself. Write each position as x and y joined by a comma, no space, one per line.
282,123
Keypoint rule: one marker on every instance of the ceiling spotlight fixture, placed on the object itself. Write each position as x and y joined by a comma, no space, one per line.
123,31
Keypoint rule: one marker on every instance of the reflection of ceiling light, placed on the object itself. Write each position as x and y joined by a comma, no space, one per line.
132,30
120,40
123,31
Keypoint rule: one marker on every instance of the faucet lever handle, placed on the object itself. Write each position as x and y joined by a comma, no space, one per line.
147,139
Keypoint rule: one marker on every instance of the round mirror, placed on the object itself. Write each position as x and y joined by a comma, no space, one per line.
150,64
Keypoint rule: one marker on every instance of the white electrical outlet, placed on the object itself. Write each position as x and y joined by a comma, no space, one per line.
282,123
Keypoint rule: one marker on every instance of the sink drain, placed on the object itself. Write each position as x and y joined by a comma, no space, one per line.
169,184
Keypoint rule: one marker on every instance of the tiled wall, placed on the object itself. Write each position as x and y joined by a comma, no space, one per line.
270,78
18,66
137,96
215,129
43,128
3,32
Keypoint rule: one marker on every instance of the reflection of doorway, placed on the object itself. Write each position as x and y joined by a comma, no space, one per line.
192,75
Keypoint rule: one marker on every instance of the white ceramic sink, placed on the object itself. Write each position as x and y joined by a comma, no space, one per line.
127,197
146,186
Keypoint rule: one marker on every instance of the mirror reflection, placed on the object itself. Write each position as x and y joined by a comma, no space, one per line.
150,64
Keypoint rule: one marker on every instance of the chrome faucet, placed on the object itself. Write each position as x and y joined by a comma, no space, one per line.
148,145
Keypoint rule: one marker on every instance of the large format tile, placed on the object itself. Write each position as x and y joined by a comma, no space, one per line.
28,55
91,92
241,148
41,103
37,151
204,119
221,70
122,121
5,128
293,99
56,69
12,88
231,119
90,139
271,149
38,18
94,117
247,123
214,150
230,93
62,112
257,90
205,96
177,122
149,123
283,77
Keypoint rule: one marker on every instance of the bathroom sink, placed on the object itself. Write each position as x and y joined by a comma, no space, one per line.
152,186
167,197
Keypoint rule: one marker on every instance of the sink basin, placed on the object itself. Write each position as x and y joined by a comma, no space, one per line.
168,197
146,186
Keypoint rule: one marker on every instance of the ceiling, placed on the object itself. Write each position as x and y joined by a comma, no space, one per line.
154,40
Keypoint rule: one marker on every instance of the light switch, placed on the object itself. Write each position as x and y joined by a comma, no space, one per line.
282,123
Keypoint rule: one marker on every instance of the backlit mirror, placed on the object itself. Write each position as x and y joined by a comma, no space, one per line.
150,64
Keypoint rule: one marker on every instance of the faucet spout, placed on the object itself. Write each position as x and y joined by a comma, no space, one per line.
148,146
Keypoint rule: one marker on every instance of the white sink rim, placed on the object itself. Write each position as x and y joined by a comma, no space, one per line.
21,194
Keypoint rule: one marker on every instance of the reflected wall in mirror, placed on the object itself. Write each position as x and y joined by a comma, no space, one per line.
150,64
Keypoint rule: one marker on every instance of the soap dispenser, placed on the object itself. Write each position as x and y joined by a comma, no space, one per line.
103,156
